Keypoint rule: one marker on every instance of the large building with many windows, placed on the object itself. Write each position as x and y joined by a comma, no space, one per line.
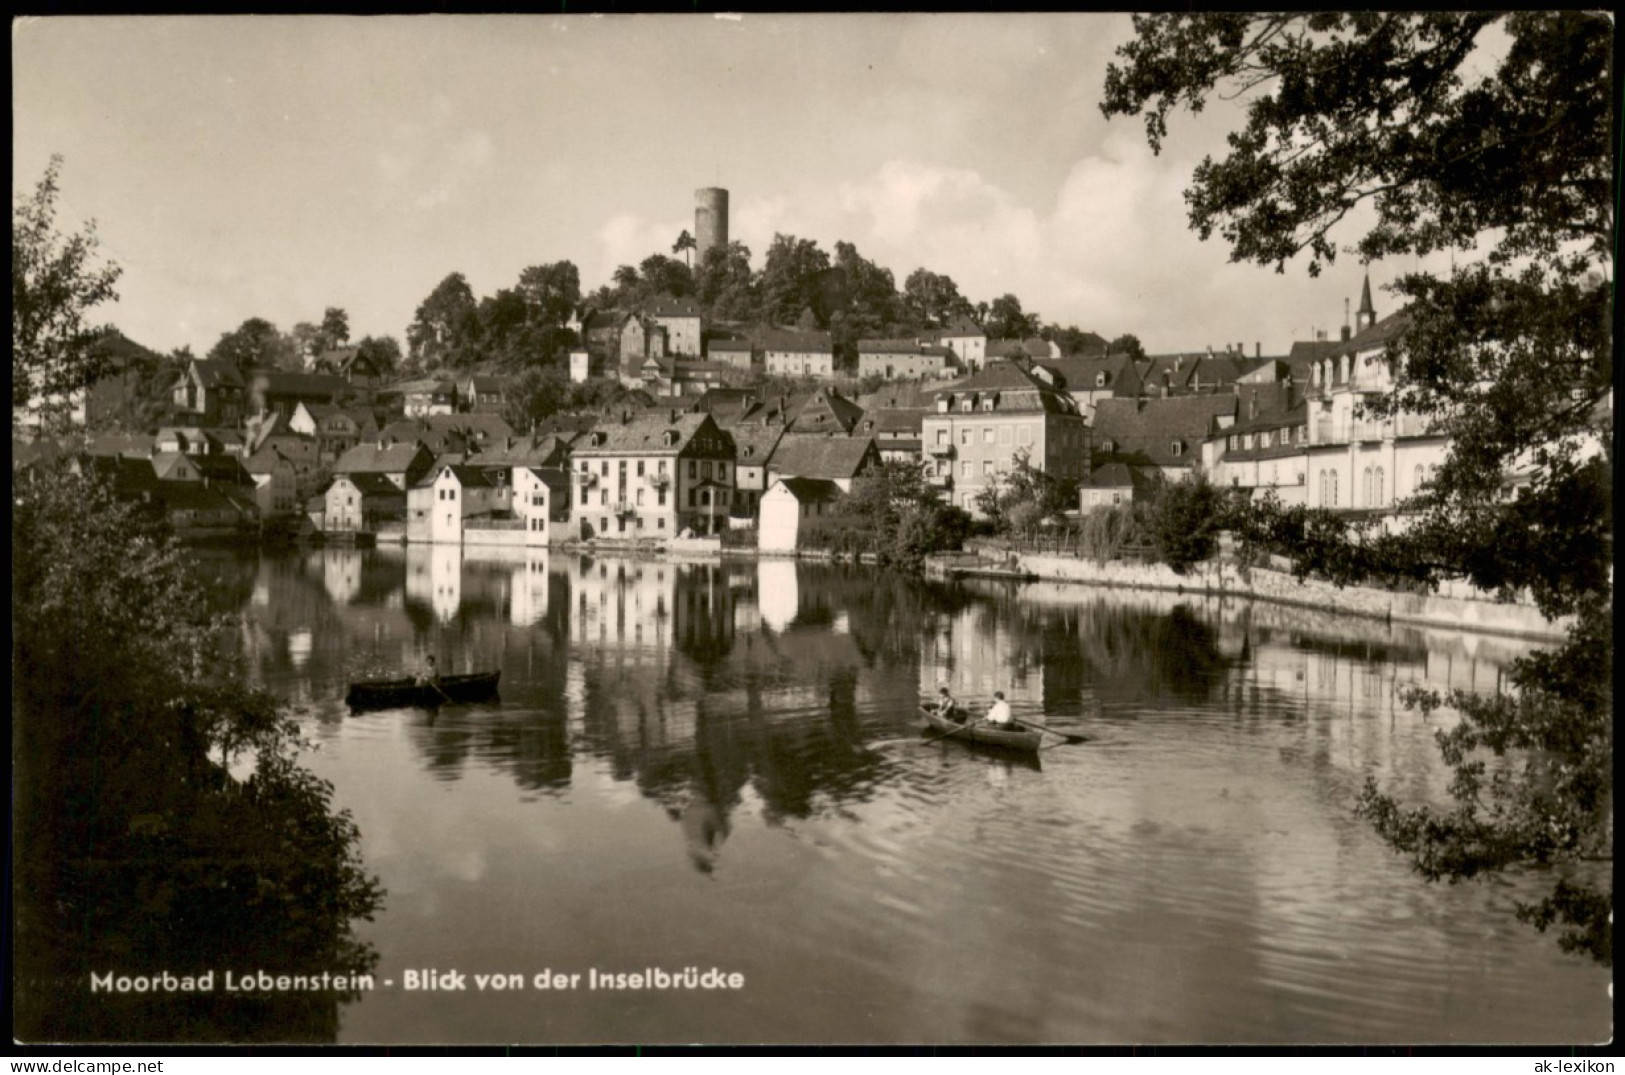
653,476
980,426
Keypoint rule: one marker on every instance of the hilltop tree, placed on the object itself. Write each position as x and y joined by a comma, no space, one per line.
551,292
55,281
665,277
446,328
256,343
1127,344
383,351
792,279
725,283
335,330
1007,321
1448,144
933,299
685,245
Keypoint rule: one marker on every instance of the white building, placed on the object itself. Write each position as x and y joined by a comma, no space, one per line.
788,505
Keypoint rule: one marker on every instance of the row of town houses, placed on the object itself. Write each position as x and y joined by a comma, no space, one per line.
432,461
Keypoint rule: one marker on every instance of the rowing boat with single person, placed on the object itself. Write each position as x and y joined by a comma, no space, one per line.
982,733
407,693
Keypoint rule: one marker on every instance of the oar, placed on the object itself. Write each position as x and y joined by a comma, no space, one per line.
1046,728
944,735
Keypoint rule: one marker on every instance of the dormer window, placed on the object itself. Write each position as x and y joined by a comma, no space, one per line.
990,402
1176,447
968,404
945,404
1107,446
1100,380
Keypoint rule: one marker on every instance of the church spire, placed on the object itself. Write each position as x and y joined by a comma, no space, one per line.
1367,315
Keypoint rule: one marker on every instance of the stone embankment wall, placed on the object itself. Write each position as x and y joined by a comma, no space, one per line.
1451,607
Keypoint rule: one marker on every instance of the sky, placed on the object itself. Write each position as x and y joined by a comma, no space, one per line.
256,166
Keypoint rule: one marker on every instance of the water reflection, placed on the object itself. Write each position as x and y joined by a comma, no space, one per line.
1194,873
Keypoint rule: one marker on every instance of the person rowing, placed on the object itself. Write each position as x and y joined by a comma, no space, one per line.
947,708
999,715
430,676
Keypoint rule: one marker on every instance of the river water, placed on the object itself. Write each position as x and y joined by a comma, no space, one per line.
704,765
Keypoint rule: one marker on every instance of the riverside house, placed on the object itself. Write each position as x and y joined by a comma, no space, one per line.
403,463
981,425
653,476
362,502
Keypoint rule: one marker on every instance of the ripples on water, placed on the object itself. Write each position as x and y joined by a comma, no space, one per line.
712,764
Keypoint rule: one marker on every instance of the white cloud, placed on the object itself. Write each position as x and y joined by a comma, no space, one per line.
1113,253
627,239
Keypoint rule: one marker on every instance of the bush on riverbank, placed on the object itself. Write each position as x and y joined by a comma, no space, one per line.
137,849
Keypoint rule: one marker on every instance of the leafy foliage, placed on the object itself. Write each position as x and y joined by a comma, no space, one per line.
894,513
55,281
135,845
255,344
1025,497
445,331
1451,131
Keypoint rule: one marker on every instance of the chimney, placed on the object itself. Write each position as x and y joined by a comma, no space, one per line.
1258,349
1346,319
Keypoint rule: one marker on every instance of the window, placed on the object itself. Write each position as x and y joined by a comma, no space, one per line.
693,497
640,498
722,472
942,436
1176,447
987,468
660,467
988,436
584,496
1024,435
640,468
964,469
693,469
603,469
660,497
603,497
967,405
660,523
1333,501
622,466
705,470
964,437
1376,488
536,499
1117,498
451,494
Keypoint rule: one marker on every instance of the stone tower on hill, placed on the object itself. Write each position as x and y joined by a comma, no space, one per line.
710,220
